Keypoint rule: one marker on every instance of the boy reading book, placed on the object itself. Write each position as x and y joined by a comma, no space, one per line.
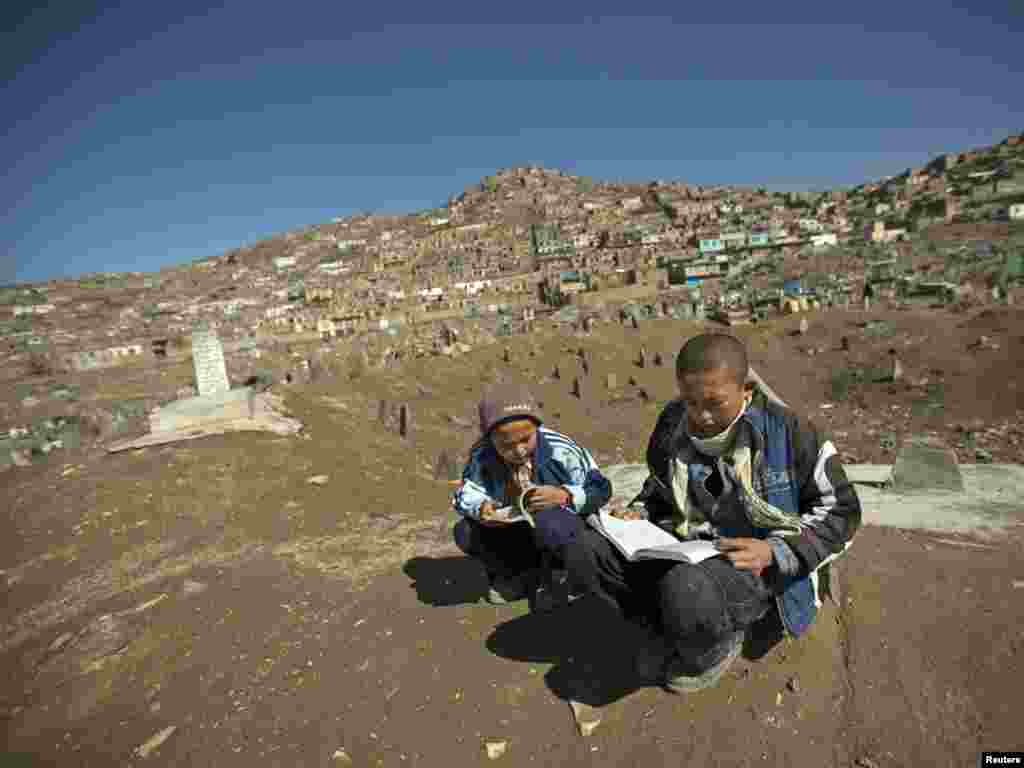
755,478
519,461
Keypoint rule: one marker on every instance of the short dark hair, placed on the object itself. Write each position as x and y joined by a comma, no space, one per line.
709,351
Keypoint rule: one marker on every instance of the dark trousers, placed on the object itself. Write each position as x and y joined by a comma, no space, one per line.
514,549
697,608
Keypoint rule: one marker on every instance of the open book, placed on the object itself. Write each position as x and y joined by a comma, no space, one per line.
515,513
643,540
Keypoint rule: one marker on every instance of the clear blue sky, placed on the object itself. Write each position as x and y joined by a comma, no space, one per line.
160,132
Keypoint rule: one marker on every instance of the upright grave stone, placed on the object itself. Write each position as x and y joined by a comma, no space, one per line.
611,381
208,363
896,368
404,420
577,388
642,358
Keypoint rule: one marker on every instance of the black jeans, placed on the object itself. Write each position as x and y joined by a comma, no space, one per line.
515,549
697,608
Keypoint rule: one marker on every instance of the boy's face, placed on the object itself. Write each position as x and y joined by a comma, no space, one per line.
713,399
515,440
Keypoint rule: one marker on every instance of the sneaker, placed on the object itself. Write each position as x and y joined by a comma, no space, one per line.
680,680
506,589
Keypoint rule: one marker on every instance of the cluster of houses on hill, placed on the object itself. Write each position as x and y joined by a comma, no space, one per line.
523,240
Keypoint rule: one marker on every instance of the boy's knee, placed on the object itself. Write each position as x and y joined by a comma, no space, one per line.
557,527
466,536
692,601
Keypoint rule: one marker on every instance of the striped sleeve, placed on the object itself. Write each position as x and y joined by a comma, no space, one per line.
469,497
583,471
828,502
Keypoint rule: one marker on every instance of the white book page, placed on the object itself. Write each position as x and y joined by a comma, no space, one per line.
696,551
632,535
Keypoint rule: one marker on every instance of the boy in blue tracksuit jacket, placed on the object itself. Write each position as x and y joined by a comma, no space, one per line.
517,455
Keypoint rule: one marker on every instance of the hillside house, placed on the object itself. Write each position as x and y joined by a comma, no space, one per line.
733,239
33,309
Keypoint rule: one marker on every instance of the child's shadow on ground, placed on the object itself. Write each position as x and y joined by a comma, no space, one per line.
592,649
448,580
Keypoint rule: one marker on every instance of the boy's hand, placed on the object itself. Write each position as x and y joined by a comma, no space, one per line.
488,518
544,496
747,554
627,513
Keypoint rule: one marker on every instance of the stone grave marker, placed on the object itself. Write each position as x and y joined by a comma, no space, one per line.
896,369
577,388
384,413
611,380
585,365
642,358
208,363
804,326
404,420
926,464
556,374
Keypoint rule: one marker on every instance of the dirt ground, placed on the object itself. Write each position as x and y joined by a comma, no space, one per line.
209,587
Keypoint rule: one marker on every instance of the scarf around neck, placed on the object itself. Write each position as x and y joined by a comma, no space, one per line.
759,511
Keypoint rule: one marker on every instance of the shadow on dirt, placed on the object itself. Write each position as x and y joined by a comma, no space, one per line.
588,646
591,649
448,580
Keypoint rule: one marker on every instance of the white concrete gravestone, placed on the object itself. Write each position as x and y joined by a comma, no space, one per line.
208,363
